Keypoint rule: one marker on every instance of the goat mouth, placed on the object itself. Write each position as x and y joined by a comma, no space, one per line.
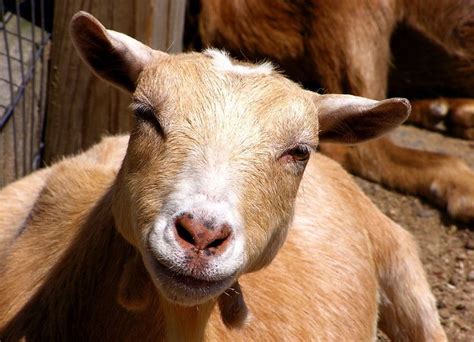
187,284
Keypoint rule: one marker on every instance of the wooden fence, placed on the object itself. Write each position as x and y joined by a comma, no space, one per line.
80,108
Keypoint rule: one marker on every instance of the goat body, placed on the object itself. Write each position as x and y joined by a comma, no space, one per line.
63,267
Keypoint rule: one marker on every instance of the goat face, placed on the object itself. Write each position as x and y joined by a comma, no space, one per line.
212,169
215,157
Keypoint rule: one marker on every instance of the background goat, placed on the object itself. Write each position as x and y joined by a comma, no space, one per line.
344,47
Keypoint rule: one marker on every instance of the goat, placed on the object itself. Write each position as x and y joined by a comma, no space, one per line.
144,237
344,46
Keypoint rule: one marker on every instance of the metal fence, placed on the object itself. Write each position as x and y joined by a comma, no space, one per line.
24,51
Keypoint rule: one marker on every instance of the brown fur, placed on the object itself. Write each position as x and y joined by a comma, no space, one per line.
75,265
344,47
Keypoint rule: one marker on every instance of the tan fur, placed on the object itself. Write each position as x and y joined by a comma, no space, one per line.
321,261
344,47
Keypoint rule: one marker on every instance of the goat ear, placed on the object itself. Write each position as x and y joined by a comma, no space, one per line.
113,56
234,311
352,119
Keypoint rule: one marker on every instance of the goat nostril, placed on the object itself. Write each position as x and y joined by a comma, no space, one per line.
218,242
183,233
215,243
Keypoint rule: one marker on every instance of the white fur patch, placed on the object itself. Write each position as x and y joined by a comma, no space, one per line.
223,62
209,194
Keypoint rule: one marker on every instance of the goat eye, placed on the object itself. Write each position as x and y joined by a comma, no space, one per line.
144,113
148,116
298,153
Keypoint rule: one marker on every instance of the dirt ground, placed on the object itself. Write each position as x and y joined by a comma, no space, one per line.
446,247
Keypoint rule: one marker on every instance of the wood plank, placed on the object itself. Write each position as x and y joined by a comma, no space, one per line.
168,16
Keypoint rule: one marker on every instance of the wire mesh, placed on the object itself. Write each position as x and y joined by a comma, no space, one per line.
23,71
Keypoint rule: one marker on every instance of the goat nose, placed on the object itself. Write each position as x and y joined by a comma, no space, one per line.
200,235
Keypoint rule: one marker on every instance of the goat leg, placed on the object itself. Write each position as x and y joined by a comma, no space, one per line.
407,309
444,180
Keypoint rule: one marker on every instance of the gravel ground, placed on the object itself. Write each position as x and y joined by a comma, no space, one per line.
446,247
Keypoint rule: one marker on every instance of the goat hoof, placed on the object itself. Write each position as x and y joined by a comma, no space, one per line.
461,206
454,116
461,118
458,196
436,112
